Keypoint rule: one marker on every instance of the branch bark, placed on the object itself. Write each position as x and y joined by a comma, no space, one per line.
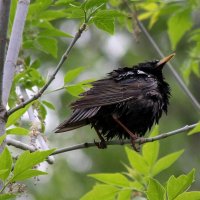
52,77
14,47
24,146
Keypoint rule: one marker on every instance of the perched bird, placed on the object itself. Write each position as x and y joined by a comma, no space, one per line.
125,104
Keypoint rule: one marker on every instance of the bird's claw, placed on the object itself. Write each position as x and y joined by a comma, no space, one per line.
101,145
136,148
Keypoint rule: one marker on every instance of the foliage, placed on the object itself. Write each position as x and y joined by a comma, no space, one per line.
22,169
42,38
139,181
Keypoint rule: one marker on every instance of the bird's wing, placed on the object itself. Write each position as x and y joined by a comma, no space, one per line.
108,91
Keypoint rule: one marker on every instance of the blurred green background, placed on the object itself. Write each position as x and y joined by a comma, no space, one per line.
99,53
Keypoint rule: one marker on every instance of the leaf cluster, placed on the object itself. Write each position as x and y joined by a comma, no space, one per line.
139,181
22,169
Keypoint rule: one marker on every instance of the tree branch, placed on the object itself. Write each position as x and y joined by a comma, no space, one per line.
20,145
4,17
14,47
158,50
23,146
52,77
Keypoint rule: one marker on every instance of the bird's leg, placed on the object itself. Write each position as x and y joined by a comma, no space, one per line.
132,135
102,144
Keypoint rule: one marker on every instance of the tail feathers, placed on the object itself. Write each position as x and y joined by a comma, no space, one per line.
67,126
78,119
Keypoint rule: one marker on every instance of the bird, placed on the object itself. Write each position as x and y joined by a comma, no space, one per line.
124,105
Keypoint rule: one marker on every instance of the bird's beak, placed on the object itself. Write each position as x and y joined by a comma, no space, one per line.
166,59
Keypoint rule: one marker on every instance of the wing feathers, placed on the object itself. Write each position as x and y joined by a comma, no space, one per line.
108,91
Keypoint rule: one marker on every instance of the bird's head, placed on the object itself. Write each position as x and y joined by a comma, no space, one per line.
156,66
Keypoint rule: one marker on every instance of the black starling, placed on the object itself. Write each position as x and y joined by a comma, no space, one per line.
125,104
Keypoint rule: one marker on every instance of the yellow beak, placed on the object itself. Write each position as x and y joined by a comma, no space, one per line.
165,60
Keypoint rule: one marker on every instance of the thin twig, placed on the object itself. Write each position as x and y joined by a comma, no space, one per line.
20,145
121,142
158,50
4,16
52,77
23,146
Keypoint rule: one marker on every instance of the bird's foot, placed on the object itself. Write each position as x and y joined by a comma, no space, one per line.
101,145
133,138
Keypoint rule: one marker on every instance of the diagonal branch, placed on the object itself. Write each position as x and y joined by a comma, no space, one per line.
24,146
62,60
158,50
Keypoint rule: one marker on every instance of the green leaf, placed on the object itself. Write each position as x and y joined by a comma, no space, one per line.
155,190
137,161
100,192
29,174
102,14
28,44
150,150
49,105
72,74
65,2
105,24
181,20
53,32
194,195
116,179
2,138
42,111
38,7
75,13
176,186
35,64
93,3
196,129
47,45
17,131
29,78
165,162
27,161
7,196
16,115
75,90
5,163
43,24
3,171
50,15
105,20
135,185
124,194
